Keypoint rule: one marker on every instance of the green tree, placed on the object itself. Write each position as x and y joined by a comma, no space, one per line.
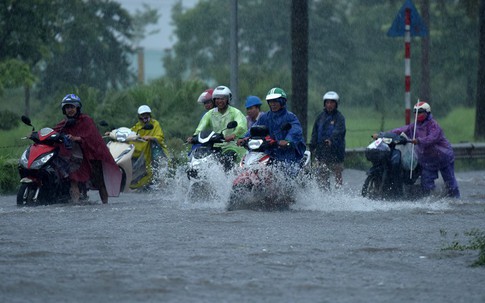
349,51
94,45
16,73
27,33
141,19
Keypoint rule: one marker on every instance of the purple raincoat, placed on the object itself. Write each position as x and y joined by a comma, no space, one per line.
434,151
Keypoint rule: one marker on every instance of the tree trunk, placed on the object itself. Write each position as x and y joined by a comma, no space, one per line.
480,109
27,100
425,87
299,61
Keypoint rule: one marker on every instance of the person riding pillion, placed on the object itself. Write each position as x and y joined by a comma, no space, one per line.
253,110
153,149
205,98
217,119
291,145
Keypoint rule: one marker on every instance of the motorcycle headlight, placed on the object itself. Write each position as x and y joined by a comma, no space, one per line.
255,144
41,161
24,161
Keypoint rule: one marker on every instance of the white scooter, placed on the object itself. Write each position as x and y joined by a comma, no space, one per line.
122,151
202,159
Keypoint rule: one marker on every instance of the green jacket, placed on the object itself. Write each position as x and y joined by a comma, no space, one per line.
214,120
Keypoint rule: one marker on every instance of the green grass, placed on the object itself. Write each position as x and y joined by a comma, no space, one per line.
361,123
476,241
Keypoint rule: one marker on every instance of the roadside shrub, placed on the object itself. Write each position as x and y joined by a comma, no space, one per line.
8,120
476,242
9,177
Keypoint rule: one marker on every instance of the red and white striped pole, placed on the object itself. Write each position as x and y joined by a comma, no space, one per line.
407,64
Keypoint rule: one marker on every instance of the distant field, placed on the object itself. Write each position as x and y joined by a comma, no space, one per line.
458,126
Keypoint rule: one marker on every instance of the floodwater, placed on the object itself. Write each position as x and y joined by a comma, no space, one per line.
159,247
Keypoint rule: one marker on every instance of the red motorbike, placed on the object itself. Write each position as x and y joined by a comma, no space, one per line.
44,173
261,183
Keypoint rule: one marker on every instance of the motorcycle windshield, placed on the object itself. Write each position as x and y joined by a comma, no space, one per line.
123,133
45,131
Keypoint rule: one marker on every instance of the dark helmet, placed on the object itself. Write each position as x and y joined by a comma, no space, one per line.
71,99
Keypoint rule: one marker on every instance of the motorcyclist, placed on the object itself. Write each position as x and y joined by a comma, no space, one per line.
291,145
433,150
206,99
217,119
97,165
152,149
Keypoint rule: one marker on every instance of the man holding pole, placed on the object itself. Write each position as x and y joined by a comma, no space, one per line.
434,151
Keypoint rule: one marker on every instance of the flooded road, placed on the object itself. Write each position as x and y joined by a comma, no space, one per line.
158,247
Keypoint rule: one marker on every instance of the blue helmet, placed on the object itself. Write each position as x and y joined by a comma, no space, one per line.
71,99
253,101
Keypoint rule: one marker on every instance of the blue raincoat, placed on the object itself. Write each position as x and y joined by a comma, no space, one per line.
329,126
274,121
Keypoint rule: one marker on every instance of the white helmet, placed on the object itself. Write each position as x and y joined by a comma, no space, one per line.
144,109
331,95
422,107
222,92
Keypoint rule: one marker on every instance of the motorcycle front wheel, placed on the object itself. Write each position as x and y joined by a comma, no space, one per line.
239,197
372,187
26,194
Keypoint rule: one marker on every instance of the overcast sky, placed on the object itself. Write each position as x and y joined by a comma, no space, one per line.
163,39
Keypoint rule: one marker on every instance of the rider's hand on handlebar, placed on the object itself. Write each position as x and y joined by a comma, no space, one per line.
374,136
73,138
189,140
230,138
283,143
415,141
241,141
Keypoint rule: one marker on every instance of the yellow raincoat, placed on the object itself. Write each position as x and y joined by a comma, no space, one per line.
149,150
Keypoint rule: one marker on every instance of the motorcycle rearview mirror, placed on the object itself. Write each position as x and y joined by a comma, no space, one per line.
103,123
26,120
232,124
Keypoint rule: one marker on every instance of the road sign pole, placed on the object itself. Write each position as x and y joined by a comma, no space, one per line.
407,65
407,23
